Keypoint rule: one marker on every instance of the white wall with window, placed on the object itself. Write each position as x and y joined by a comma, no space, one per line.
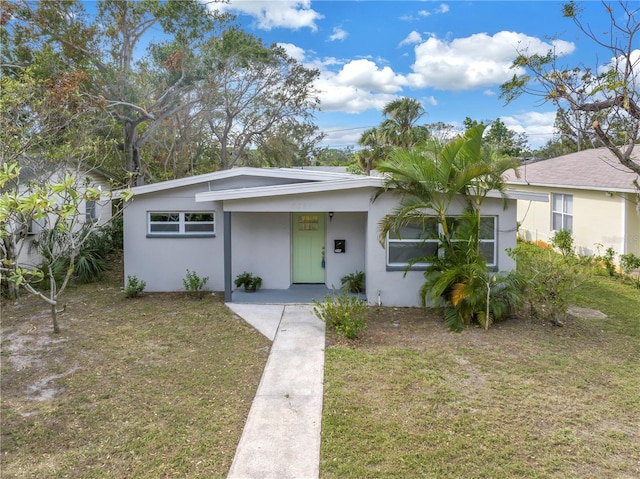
414,244
387,258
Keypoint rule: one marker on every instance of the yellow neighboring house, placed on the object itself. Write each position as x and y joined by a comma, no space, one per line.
589,193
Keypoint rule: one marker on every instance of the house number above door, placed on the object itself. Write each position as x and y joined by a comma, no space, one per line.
308,223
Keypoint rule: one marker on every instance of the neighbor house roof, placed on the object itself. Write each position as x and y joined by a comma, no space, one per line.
596,169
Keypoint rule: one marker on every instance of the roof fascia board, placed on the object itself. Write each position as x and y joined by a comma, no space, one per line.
574,187
528,195
288,173
283,190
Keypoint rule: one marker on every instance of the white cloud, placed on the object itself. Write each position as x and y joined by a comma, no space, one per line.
348,98
293,51
366,75
477,61
294,14
338,34
538,126
413,38
443,8
431,100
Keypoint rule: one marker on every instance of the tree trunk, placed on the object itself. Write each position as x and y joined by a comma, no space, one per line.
54,318
132,153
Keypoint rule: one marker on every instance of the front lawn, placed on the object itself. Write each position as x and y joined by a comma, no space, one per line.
524,399
158,386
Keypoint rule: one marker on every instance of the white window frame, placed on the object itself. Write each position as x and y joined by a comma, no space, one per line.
182,222
91,211
564,214
422,241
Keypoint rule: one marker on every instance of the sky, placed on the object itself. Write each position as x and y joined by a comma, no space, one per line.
451,56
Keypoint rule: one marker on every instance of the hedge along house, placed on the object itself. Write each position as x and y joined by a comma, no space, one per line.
289,226
588,193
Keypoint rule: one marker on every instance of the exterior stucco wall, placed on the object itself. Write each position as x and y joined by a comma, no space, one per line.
162,262
632,232
345,200
261,244
397,288
598,219
351,227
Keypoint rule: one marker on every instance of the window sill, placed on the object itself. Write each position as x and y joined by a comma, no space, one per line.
404,268
177,235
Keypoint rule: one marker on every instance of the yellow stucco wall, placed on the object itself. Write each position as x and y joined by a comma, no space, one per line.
600,220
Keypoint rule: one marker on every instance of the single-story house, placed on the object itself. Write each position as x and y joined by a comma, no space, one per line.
288,226
588,193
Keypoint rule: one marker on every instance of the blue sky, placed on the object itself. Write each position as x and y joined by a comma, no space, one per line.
452,56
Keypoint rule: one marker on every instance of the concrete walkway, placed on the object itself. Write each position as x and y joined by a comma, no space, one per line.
281,438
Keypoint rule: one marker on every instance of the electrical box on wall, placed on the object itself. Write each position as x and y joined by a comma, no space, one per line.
339,246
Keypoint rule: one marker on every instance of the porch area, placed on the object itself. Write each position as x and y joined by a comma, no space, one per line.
296,293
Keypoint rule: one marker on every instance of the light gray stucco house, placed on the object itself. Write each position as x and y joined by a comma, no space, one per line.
288,226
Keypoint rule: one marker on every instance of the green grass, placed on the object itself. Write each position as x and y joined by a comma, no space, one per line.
524,399
158,386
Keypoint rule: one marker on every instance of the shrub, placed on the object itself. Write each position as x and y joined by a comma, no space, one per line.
194,283
607,261
629,262
549,280
344,313
354,282
563,241
250,282
134,286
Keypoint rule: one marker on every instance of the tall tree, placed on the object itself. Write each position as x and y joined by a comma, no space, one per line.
428,182
400,128
257,90
611,93
501,138
373,151
139,92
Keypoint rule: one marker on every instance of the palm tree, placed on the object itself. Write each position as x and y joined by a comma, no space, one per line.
373,151
400,128
430,178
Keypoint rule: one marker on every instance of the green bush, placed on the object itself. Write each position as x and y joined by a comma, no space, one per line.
134,286
629,262
194,283
354,282
549,280
249,281
344,313
563,241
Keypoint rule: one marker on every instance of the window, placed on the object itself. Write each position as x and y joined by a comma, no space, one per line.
412,242
561,212
181,224
421,241
36,226
90,211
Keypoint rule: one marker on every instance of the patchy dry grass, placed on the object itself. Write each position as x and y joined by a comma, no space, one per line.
158,386
524,399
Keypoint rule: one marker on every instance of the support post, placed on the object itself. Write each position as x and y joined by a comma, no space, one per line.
227,257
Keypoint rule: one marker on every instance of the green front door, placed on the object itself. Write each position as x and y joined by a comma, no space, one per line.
308,247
